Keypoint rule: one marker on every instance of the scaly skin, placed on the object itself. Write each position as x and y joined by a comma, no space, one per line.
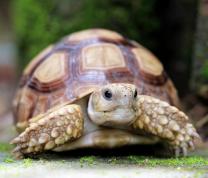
120,107
149,114
167,122
55,128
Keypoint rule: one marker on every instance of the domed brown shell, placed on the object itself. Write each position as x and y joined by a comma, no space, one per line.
83,61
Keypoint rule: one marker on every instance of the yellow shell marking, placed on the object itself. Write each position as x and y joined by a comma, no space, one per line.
102,56
148,62
51,69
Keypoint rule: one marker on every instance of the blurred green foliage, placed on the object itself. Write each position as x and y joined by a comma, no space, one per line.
204,70
38,23
200,57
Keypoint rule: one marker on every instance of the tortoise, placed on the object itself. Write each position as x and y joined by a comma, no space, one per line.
96,88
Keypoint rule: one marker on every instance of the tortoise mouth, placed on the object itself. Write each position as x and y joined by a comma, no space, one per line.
108,138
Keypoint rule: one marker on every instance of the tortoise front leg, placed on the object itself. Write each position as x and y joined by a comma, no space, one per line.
55,128
167,122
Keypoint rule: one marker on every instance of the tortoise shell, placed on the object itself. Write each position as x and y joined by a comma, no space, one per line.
83,61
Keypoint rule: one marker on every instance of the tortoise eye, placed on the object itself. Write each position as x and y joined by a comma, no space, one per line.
135,93
107,94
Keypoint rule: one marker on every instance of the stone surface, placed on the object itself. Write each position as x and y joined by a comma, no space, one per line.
67,170
76,166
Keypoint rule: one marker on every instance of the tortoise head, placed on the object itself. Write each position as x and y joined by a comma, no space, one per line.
113,105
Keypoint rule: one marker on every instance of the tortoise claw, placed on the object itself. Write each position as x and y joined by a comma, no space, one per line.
183,146
181,151
191,145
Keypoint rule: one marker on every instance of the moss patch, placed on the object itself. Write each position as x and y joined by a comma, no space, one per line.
192,161
114,160
186,162
27,162
5,147
89,160
9,160
196,162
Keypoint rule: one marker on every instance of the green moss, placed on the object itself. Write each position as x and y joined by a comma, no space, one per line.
204,71
89,160
27,162
9,160
196,162
192,161
5,147
114,160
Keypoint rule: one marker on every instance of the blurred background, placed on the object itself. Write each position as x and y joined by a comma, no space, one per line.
174,30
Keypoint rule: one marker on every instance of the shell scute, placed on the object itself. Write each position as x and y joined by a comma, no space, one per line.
82,62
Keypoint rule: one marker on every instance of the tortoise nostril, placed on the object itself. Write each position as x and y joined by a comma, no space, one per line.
135,93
